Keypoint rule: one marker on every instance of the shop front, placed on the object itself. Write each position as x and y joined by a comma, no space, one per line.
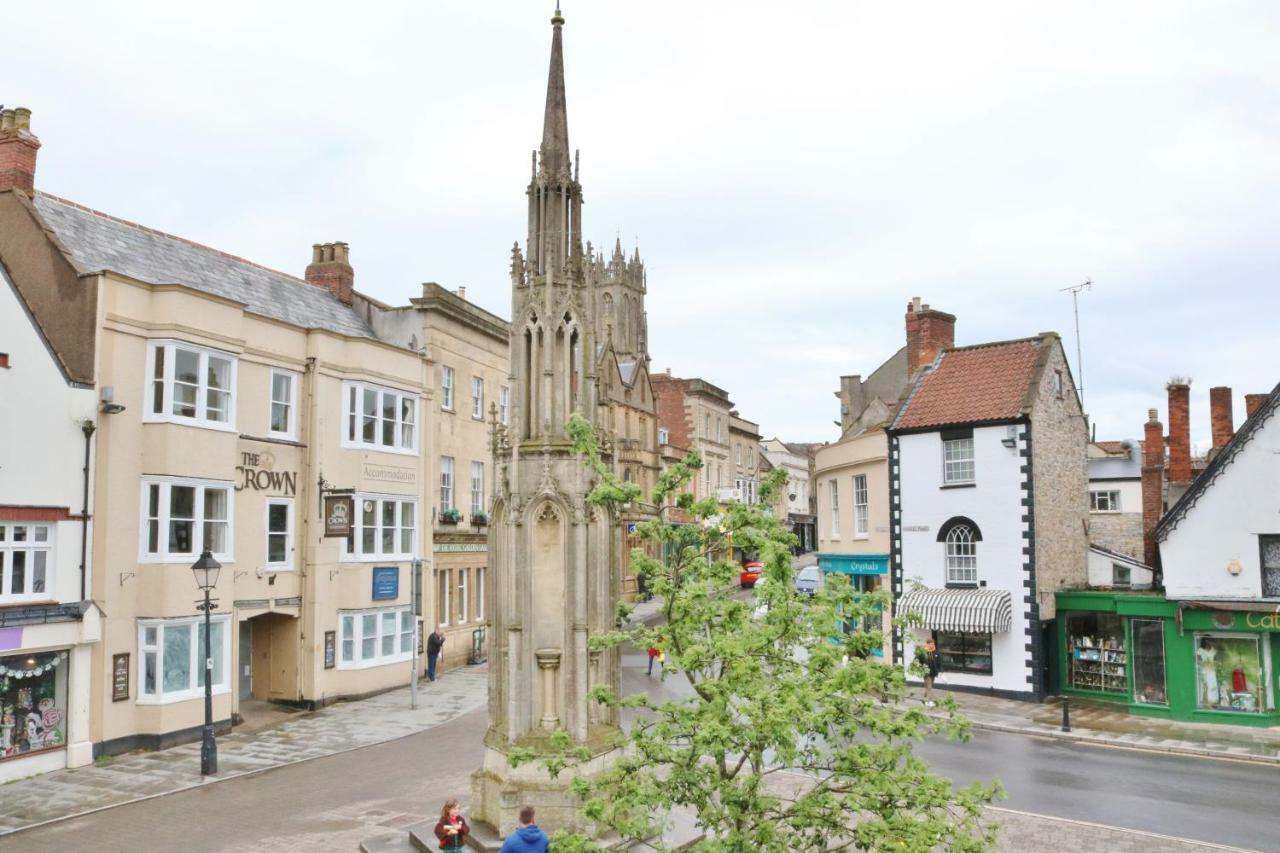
1205,661
866,573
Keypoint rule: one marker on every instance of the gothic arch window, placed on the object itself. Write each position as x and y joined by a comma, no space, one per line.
607,302
961,537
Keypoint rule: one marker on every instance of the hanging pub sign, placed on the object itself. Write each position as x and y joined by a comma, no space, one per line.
338,510
120,677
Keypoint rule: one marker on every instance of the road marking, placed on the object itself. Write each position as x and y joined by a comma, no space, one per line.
1144,833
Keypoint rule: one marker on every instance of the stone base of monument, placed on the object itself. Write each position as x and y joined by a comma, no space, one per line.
420,838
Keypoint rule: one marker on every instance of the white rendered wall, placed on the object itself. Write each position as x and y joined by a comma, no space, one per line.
41,441
1223,525
994,504
1130,492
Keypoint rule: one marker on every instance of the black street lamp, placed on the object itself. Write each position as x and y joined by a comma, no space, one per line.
206,571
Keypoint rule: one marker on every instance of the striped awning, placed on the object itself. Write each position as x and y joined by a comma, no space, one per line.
984,611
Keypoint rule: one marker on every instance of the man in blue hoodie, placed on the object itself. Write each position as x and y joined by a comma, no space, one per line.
527,838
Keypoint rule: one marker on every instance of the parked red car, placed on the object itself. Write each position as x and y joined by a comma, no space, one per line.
750,574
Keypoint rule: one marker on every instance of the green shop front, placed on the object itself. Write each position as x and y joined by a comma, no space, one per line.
1207,661
866,572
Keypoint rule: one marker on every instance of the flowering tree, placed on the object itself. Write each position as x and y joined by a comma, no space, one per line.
795,735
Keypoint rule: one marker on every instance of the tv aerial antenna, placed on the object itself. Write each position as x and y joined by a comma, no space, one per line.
1075,292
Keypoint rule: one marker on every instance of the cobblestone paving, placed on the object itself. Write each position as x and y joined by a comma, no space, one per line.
1103,723
335,729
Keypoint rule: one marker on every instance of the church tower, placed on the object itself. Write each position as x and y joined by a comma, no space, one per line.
553,558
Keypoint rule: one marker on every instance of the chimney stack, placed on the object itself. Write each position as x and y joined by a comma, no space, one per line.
1179,431
1152,485
330,268
1220,415
462,293
1252,402
928,333
18,147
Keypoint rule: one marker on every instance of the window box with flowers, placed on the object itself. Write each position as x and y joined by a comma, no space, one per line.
452,515
479,519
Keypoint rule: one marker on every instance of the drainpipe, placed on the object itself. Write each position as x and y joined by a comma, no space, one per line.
89,428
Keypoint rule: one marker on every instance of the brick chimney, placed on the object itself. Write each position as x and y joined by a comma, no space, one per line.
330,268
928,333
1152,485
18,147
1179,431
1220,416
1252,402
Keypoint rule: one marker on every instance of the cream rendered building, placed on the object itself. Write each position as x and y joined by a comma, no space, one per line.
745,437
468,352
695,415
852,483
240,398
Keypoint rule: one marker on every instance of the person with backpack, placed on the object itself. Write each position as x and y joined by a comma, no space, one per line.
527,838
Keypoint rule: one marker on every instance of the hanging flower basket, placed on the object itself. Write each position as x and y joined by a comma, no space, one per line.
479,519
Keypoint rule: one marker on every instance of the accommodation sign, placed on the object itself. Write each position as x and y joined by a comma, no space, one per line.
257,471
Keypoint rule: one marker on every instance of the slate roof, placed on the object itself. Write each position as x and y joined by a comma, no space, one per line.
974,384
1205,479
98,242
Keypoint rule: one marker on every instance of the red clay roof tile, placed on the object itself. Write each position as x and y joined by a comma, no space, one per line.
987,382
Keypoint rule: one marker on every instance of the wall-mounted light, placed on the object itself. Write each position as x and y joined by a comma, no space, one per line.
109,406
1234,567
1010,439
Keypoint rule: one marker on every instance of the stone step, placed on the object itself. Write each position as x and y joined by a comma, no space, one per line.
397,843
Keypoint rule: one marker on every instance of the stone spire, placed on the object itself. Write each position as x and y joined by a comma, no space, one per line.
555,121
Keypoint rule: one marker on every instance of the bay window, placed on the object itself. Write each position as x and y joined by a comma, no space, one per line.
384,528
190,385
26,562
379,418
171,652
375,637
183,517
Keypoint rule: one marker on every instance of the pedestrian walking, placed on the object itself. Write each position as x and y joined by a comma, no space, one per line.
527,838
435,648
929,658
654,651
452,829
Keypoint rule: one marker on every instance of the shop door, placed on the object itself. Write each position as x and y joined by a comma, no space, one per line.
244,662
1049,664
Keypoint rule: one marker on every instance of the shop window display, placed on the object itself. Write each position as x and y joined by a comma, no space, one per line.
33,703
964,651
1096,658
1229,673
1148,662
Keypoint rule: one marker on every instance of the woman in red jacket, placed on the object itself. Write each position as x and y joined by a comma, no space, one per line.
452,829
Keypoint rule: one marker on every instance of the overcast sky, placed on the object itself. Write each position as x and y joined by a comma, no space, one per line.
794,172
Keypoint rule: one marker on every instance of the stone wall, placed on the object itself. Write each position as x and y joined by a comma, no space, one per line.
1061,482
1120,532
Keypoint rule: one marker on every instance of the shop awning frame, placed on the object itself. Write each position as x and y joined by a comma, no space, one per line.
1238,605
980,610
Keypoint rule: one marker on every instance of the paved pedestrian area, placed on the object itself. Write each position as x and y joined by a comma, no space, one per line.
1021,832
335,729
1106,724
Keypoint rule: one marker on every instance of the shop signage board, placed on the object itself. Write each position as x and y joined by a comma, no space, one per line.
338,511
386,583
120,677
330,649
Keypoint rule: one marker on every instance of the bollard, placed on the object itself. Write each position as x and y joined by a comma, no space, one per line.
1066,713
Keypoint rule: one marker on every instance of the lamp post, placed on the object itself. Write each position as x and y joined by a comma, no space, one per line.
206,571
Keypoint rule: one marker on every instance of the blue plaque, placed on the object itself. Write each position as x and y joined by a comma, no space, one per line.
386,583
